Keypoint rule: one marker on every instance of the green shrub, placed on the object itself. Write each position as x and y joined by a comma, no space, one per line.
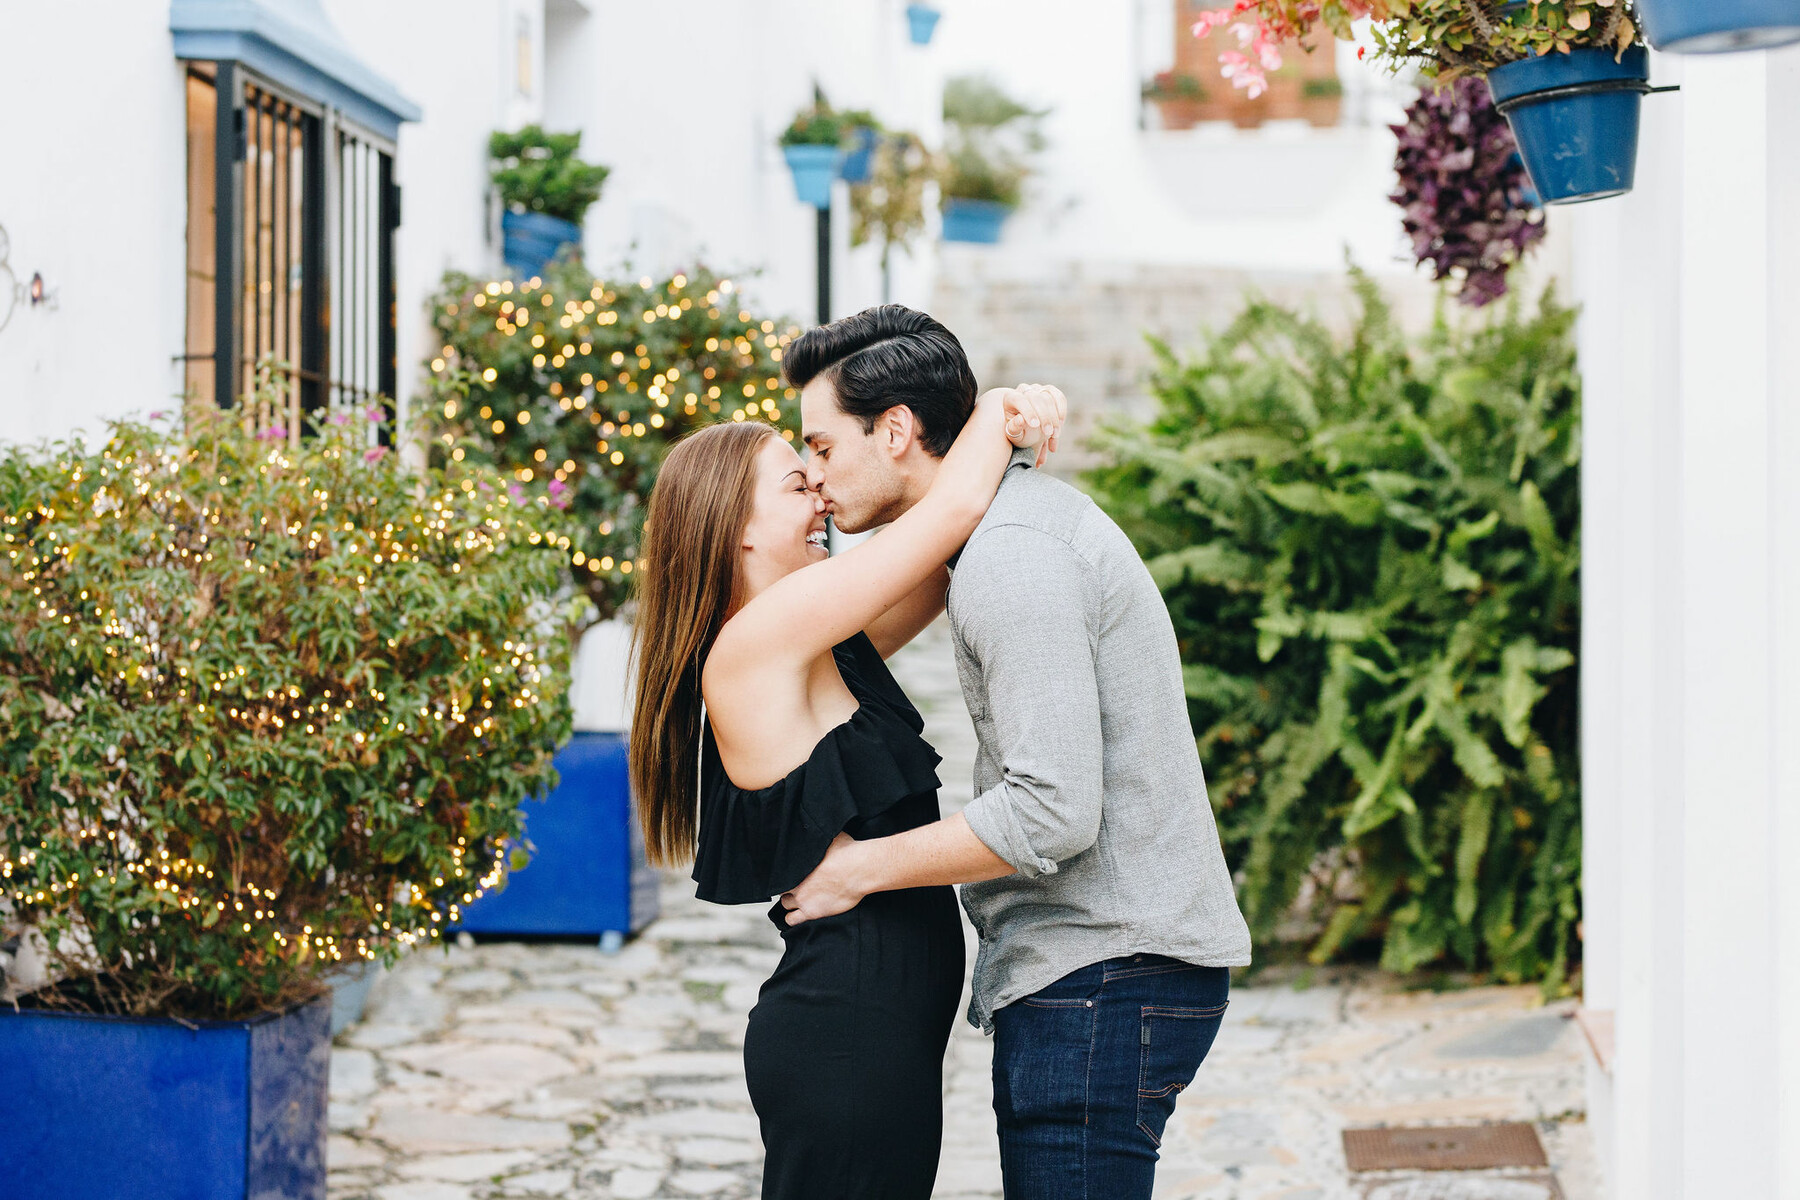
539,172
989,140
1369,548
577,387
267,705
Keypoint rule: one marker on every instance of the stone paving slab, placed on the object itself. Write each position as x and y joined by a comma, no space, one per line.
501,1070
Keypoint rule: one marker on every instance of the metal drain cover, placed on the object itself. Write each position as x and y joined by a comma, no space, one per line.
1444,1148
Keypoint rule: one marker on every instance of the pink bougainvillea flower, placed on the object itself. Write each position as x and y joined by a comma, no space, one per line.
1243,73
375,453
374,413
1210,21
559,494
273,433
515,491
159,414
340,418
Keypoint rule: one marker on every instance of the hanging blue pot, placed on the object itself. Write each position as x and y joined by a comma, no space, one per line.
814,168
974,220
143,1108
1717,26
531,240
921,21
1575,117
859,160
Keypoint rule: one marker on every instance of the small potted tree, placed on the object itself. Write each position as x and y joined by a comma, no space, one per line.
545,191
989,138
813,144
268,706
890,209
1568,75
1717,26
575,388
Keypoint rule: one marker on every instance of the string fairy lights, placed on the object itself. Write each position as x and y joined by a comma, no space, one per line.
284,698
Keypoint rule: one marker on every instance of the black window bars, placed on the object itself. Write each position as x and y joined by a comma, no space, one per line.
291,219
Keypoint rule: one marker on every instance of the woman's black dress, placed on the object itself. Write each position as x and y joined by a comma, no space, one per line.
845,1049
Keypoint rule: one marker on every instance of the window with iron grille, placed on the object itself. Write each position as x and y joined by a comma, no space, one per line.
290,247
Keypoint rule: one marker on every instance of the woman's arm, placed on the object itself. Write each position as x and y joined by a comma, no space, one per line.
907,619
815,608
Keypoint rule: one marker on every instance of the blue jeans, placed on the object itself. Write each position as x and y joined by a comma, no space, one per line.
1086,1073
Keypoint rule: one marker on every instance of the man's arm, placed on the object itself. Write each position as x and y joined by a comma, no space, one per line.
1026,622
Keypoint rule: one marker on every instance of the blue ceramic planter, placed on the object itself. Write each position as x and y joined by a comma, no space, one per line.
859,161
587,874
921,23
1575,117
814,168
974,220
123,1108
1718,26
531,240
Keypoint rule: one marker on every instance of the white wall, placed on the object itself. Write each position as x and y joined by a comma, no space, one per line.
93,195
1691,653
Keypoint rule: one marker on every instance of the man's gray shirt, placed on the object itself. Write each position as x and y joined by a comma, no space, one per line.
1087,778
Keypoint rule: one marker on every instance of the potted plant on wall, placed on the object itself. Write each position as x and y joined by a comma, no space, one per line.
921,23
988,140
1569,75
545,191
862,133
1718,26
268,705
813,144
575,388
1178,97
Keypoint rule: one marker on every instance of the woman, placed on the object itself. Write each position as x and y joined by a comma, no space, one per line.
805,735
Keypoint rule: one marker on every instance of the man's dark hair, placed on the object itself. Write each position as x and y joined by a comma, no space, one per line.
887,356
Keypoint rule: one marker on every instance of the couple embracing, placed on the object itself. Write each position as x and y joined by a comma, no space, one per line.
771,744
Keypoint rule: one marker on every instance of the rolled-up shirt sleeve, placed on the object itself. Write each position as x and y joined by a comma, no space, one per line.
1023,614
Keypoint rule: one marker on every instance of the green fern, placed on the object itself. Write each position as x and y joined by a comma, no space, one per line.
1369,546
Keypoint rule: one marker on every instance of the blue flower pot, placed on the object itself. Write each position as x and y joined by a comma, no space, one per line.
587,875
128,1108
921,22
1717,26
1575,117
859,160
531,240
974,220
814,168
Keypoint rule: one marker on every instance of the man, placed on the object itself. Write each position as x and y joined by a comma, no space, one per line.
1092,866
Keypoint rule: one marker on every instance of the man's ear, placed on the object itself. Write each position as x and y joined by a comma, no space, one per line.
898,429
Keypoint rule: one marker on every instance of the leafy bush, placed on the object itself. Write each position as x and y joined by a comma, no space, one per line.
265,707
816,125
1368,546
890,208
539,172
1463,190
989,138
576,387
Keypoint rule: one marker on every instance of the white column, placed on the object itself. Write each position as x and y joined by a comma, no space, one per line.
1729,1086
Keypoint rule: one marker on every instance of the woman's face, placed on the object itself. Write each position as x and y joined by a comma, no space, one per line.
786,530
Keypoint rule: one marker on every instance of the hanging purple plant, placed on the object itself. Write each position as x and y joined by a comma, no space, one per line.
1469,205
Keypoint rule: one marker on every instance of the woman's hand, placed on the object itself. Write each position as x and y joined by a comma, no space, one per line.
1033,415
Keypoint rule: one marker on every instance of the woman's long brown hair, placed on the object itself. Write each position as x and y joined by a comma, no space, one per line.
693,539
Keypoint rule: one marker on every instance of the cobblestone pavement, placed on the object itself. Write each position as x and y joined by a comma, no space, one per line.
511,1070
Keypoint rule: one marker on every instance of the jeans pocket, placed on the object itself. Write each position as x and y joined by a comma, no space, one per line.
1172,1043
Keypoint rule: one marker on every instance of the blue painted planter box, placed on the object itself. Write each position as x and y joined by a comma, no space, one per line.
1719,26
531,240
921,23
815,168
587,874
974,220
1575,117
125,1108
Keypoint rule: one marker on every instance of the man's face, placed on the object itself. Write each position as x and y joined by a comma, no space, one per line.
855,472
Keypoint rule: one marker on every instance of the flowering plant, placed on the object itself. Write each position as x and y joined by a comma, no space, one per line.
1464,190
266,706
1443,38
576,387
